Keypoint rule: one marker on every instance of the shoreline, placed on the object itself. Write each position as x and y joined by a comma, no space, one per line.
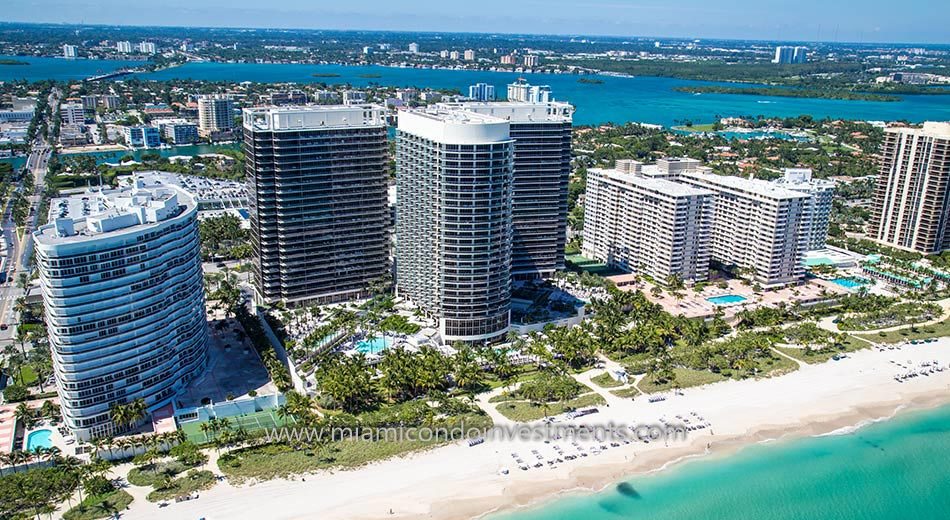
460,482
597,482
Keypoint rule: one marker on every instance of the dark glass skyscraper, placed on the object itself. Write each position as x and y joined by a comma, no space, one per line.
317,186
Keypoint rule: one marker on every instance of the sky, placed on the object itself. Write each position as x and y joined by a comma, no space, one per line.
923,21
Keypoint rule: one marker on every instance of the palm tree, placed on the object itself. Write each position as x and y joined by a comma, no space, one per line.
206,427
21,308
25,415
137,411
119,414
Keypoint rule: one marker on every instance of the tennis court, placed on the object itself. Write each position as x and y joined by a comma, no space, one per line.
582,263
252,422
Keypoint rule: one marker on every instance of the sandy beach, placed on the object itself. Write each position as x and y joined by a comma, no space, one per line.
458,481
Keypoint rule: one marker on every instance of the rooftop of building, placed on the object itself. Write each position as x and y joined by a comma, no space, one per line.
203,189
802,177
752,186
455,115
92,213
313,117
518,111
667,187
937,129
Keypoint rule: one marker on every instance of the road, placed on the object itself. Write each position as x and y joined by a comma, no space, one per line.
20,246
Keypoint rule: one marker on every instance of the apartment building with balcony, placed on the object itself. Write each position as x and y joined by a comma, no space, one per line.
454,220
542,169
120,273
758,226
822,195
911,207
647,225
317,185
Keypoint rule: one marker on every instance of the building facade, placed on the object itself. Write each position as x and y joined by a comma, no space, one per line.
69,51
317,185
481,92
123,47
757,226
72,113
524,92
453,220
646,225
911,208
822,195
215,114
787,54
143,137
181,133
120,272
542,169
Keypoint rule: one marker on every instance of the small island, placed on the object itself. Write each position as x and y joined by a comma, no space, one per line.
325,75
9,61
788,92
370,76
591,81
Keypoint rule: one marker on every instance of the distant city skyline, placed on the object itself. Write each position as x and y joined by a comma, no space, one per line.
806,20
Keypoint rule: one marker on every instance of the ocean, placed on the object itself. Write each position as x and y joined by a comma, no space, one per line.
617,99
889,470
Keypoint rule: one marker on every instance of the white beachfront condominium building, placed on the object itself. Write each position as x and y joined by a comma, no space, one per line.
317,186
453,220
757,226
120,272
822,195
647,225
542,169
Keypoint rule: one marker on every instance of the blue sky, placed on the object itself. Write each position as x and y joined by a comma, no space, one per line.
830,20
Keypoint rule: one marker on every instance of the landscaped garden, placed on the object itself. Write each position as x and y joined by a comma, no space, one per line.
548,394
894,316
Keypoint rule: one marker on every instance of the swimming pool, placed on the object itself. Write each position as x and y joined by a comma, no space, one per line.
726,299
373,346
39,439
850,283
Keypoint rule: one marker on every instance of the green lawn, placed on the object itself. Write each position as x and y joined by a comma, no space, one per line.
152,474
685,378
525,411
280,460
936,330
100,506
513,395
191,482
25,376
605,380
528,373
897,315
824,354
625,393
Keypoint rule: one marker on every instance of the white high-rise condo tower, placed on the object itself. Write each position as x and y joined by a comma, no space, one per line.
822,194
453,220
120,272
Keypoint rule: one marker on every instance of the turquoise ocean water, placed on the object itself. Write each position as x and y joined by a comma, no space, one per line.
889,470
642,99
